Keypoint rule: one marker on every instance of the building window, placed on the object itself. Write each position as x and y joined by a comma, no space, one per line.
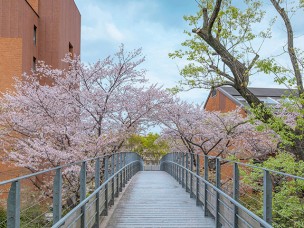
35,35
34,64
71,51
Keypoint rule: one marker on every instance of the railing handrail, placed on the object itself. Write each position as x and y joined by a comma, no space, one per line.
243,164
56,168
236,203
87,199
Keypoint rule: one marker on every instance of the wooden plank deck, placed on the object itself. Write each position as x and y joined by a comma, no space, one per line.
155,199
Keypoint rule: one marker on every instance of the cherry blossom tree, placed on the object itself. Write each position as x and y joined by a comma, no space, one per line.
190,128
54,117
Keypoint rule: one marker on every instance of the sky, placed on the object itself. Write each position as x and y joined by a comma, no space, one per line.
157,26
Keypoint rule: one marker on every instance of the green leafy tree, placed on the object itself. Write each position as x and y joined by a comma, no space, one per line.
288,193
223,49
149,146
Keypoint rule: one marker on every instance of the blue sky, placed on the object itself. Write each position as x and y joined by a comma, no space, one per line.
157,26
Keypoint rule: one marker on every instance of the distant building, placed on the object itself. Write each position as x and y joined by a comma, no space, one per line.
32,30
225,99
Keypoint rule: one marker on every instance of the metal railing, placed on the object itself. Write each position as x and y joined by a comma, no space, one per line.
224,205
108,175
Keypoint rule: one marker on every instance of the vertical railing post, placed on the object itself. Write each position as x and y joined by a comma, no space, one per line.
83,186
206,169
13,206
187,172
180,168
106,177
198,202
117,176
177,167
236,192
121,173
124,171
183,171
267,197
218,185
57,196
97,184
174,166
113,179
191,175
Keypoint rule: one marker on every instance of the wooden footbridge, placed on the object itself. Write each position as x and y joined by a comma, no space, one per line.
183,193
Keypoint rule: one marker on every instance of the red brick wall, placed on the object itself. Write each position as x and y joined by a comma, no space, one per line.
59,24
34,4
17,20
220,102
10,61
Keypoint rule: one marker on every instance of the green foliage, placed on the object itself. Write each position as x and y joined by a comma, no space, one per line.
233,28
31,218
288,193
2,217
148,146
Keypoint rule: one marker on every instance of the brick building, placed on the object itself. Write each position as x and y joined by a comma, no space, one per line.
32,30
226,98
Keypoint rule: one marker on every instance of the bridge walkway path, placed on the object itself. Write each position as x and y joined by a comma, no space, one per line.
155,199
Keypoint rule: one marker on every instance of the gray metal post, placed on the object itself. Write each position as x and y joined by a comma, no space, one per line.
187,172
198,202
113,179
183,171
97,184
180,168
106,177
124,171
191,176
120,173
176,167
267,198
13,206
57,196
236,192
117,176
206,168
83,183
218,185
